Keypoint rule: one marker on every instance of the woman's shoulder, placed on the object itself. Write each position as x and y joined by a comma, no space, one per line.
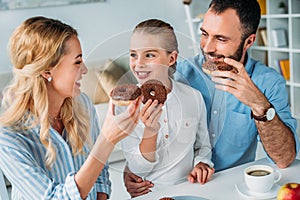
9,137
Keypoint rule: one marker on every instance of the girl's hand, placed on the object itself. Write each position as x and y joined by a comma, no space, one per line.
201,173
150,115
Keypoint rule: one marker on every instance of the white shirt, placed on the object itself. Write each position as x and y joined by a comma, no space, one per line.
182,141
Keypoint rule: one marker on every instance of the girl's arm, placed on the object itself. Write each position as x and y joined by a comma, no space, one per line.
150,115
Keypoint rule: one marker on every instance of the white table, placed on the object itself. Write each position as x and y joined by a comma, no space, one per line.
222,186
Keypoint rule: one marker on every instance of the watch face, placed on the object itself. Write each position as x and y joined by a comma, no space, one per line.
270,114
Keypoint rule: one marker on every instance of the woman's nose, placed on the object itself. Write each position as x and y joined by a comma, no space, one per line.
84,69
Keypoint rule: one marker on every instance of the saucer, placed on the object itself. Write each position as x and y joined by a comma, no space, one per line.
188,198
244,191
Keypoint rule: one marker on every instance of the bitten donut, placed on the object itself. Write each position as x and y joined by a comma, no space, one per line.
122,95
154,89
210,66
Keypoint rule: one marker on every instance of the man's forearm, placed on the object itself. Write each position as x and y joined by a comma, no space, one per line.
278,141
101,196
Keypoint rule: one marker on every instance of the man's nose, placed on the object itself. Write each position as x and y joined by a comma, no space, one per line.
208,45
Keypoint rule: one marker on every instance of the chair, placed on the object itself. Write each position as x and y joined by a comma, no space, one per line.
3,189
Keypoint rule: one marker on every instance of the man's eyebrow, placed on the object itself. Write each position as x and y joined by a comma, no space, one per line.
216,36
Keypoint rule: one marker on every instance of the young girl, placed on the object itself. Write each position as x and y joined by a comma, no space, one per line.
171,140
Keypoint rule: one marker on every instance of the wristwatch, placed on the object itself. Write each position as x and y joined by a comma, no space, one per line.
268,116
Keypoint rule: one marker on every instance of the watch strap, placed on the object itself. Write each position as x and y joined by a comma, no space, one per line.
262,118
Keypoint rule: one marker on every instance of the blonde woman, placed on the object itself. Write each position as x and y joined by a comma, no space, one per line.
50,141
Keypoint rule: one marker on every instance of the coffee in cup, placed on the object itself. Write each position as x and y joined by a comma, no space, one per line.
261,178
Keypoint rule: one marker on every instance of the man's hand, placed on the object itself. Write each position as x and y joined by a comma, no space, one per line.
201,173
135,185
241,86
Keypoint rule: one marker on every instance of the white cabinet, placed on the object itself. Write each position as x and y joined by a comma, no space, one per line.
275,21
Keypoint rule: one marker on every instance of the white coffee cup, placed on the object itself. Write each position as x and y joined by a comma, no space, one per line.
261,178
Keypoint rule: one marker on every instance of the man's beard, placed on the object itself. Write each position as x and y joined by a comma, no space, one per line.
236,56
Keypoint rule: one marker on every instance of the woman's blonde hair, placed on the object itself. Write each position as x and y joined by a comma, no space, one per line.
165,31
36,46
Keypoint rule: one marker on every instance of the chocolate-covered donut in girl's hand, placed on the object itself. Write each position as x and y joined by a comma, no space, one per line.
154,89
122,95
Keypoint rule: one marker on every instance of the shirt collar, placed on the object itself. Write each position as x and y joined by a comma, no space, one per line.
173,89
249,64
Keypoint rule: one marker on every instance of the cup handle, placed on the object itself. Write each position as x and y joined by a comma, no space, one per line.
277,176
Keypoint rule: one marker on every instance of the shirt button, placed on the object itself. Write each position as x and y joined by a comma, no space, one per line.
215,112
167,136
213,135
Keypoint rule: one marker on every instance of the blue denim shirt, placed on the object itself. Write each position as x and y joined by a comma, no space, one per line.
233,133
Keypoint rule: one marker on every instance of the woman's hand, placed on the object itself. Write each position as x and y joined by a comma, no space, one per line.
114,129
117,127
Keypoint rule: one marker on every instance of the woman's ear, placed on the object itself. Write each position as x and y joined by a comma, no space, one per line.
249,41
173,58
46,74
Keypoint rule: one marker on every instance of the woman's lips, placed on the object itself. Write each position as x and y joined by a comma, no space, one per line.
77,83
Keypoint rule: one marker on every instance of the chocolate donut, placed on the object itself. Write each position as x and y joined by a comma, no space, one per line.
123,94
210,66
154,89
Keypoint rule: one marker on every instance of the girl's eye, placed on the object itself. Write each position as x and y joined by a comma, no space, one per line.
150,55
133,55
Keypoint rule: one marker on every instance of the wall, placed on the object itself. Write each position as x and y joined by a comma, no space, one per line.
101,23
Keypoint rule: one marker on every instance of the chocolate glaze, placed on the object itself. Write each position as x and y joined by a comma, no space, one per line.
218,65
154,89
125,92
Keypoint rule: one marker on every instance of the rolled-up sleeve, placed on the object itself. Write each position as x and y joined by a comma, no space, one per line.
103,183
